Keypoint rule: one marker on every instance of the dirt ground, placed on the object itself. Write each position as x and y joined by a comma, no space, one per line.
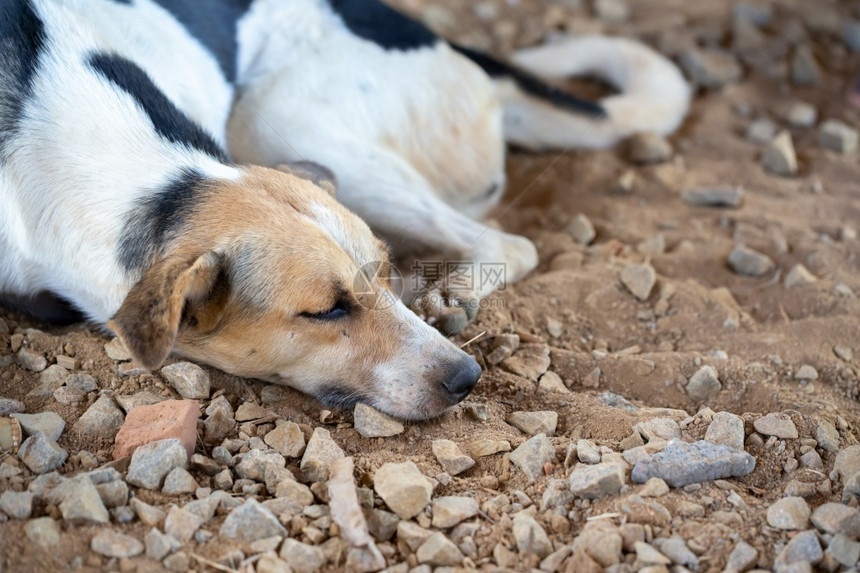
756,332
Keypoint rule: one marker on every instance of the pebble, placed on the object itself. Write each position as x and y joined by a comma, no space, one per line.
711,68
659,429
43,531
761,131
843,550
319,453
750,263
403,488
648,555
654,487
32,360
552,383
581,229
129,403
847,463
845,353
530,537
190,380
41,454
450,457
533,423
681,464
178,562
648,148
774,424
838,136
804,69
82,504
451,510
837,518
587,452
69,395
726,429
439,551
756,13
297,495
9,406
179,481
116,351
371,423
301,557
287,439
486,447
48,423
742,558
150,423
217,426
704,384
254,464
799,275
147,514
112,544
788,513
101,420
181,524
113,494
532,455
778,156
249,411
639,279
150,463
675,548
827,436
158,545
714,196
596,481
801,114
851,34
17,505
251,521
802,548
530,362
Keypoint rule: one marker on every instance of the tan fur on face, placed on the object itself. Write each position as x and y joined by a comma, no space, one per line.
287,251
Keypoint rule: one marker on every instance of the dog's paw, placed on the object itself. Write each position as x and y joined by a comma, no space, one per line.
450,311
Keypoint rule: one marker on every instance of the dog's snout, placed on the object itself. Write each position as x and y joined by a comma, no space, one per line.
462,380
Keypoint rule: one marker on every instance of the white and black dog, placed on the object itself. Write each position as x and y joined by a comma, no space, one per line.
128,132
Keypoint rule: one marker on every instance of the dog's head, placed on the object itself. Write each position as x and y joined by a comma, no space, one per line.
271,278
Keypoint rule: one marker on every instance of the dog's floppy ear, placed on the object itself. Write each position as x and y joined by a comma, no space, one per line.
149,318
321,176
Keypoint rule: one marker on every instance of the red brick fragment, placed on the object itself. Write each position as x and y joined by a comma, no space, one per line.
146,424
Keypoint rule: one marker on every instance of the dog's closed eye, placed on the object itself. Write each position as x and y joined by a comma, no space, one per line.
341,309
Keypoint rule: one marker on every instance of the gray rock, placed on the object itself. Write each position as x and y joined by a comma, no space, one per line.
101,420
582,231
835,518
726,429
533,423
31,360
704,384
530,537
371,423
178,562
779,425
381,524
804,68
843,550
838,136
714,196
847,462
251,521
41,454
152,462
48,423
448,511
82,504
806,372
287,439
69,395
647,554
253,464
587,452
147,514
223,480
758,14
639,279
788,513
779,157
851,35
649,148
403,488
82,382
530,362
799,275
191,381
179,481
761,131
801,114
129,403
743,557
217,426
750,263
552,383
450,457
659,429
113,494
612,11
654,487
439,551
532,455
17,505
711,68
44,532
9,406
116,350
112,544
158,545
319,453
302,558
596,481
811,459
802,548
681,464
675,548
181,524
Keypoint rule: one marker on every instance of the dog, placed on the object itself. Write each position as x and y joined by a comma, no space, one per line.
168,170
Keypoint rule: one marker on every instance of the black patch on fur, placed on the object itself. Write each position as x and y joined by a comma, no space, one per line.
532,84
383,25
155,220
44,306
167,119
333,396
22,37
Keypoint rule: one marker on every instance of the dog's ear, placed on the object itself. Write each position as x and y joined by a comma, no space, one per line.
150,317
321,176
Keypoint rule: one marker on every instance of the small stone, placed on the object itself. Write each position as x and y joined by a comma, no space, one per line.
300,557
659,429
788,513
704,384
648,148
181,524
530,362
250,411
113,544
804,68
44,532
847,463
836,518
532,455
113,494
101,420
533,423
41,454
439,551
779,157
838,136
129,403
587,452
802,548
116,351
451,510
799,275
843,352
9,406
843,550
596,481
17,505
251,521
530,537
483,448
750,263
152,462
223,480
150,423
178,562
827,436
217,426
654,487
851,35
32,360
48,423
648,555
726,429
159,545
319,453
298,496
639,279
801,114
758,14
191,381
82,504
680,463
711,68
582,230
675,548
742,557
403,488
412,534
254,464
761,131
779,425
147,514
381,524
714,197
69,395
450,457
551,383
371,423
178,482
287,439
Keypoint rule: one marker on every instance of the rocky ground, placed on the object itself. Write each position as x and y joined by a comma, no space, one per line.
674,389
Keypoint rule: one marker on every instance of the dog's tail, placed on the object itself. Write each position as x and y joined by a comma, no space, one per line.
653,95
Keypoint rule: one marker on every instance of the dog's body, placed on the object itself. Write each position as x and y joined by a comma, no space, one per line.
118,194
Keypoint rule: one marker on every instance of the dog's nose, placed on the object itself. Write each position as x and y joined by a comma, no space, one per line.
460,383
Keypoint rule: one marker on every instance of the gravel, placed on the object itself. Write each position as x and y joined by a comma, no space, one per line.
287,439
774,424
711,69
403,488
320,451
17,505
181,524
532,455
152,462
43,531
778,156
101,420
533,423
714,197
530,537
802,548
41,454
789,513
648,148
804,68
82,504
681,464
750,263
596,481
251,521
190,380
582,230
112,544
704,384
158,545
450,457
439,551
726,429
48,423
838,136
371,423
639,279
451,510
